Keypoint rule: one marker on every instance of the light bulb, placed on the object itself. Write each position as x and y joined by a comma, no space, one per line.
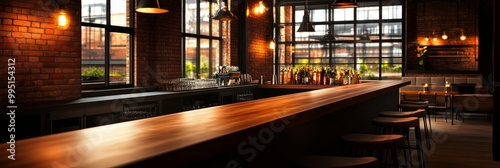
272,45
462,37
62,19
427,38
259,8
435,39
444,36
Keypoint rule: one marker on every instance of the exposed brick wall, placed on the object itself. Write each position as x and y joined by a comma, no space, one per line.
260,56
441,16
158,46
47,57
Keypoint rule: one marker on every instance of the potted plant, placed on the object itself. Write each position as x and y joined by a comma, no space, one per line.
422,54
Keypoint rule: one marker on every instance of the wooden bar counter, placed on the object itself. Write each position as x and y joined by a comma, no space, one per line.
189,137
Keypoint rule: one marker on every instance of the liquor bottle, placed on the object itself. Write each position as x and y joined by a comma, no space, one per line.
333,77
306,76
318,76
282,75
340,78
297,76
312,74
323,78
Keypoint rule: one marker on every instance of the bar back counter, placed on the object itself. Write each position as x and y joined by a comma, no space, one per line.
268,132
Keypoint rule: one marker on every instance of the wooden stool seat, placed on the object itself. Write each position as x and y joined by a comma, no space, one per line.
415,102
398,114
412,107
392,122
373,141
316,161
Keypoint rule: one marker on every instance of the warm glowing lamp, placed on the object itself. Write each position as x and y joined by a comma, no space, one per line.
62,19
272,44
260,8
427,38
444,36
151,6
462,37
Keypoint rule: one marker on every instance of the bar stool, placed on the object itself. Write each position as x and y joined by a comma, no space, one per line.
415,105
389,125
420,113
317,161
366,144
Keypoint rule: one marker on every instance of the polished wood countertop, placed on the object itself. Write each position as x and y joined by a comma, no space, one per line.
130,142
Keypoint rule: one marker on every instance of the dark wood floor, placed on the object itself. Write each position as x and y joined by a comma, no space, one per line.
466,144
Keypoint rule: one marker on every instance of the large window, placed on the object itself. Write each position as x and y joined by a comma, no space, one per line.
107,43
368,39
201,38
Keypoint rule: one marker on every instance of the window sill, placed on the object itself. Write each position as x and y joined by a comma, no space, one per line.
107,92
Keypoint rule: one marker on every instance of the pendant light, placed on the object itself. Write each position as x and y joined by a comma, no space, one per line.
345,4
306,25
151,6
224,14
329,37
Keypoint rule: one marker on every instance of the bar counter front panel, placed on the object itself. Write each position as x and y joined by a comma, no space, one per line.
263,132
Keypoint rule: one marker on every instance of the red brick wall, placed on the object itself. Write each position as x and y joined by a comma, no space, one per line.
158,46
440,16
260,56
47,57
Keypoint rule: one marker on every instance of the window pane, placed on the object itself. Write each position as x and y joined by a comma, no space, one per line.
367,50
343,50
204,65
190,51
392,30
120,13
191,17
343,14
344,31
215,54
368,13
318,13
392,12
391,71
215,23
94,11
120,58
370,30
93,54
368,71
392,49
205,18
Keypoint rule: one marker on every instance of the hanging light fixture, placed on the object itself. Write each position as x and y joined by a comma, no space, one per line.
345,4
462,36
329,37
151,6
444,36
306,25
224,14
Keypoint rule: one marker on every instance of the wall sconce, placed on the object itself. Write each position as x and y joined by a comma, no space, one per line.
151,6
272,44
62,19
259,8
